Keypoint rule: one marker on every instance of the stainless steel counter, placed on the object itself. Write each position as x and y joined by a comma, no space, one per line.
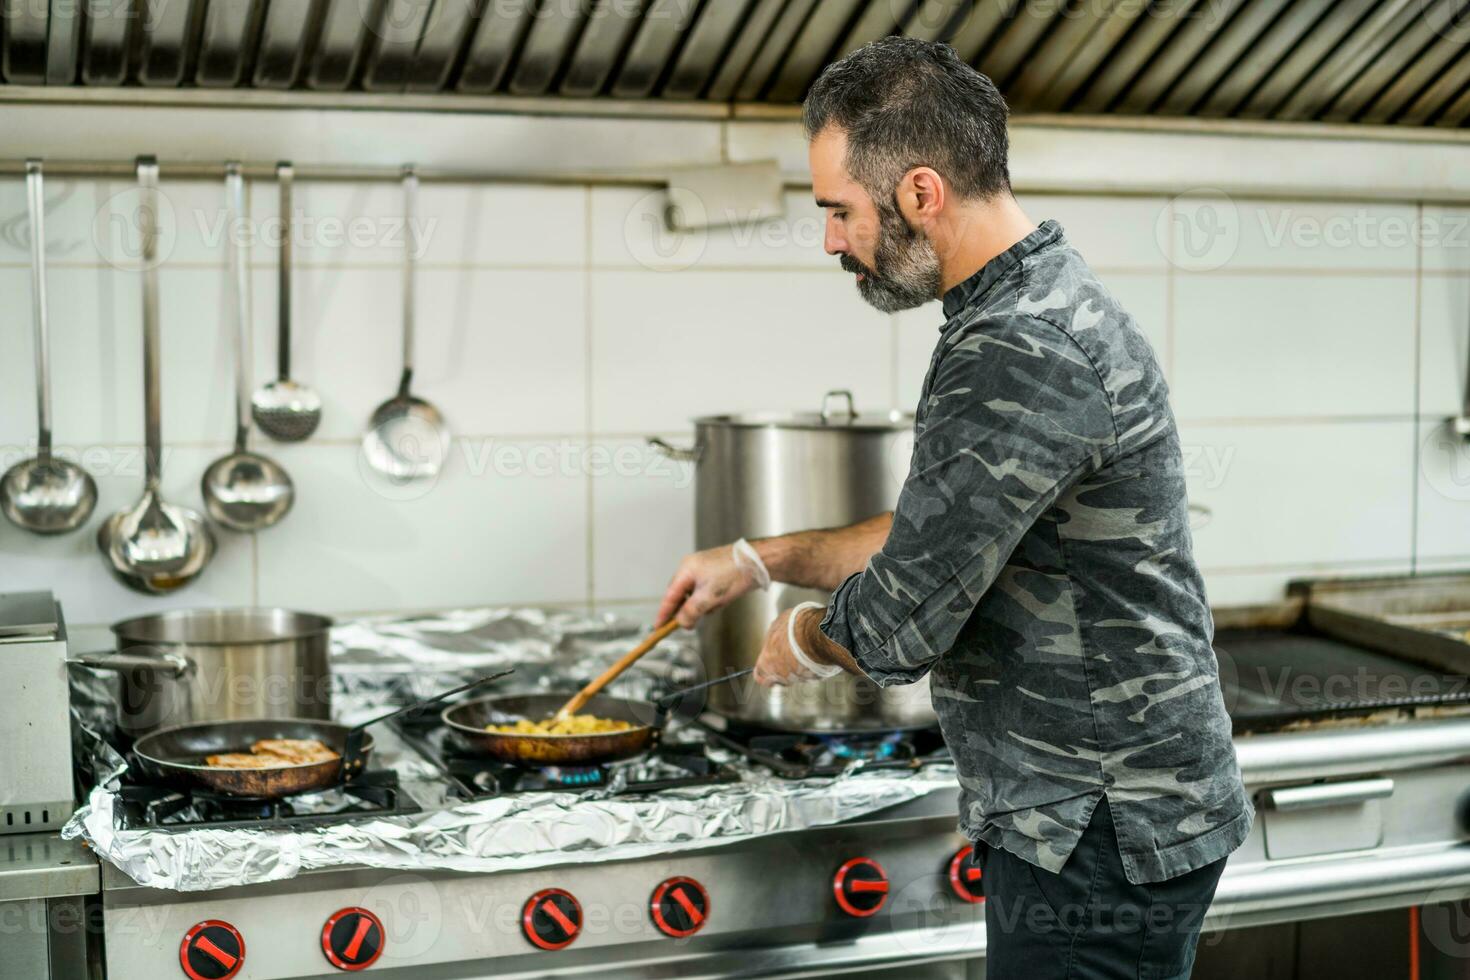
41,866
42,913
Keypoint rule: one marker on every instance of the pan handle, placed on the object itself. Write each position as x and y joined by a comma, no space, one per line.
172,662
352,754
668,701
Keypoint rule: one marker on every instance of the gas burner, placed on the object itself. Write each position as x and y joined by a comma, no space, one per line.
375,793
668,765
869,748
797,755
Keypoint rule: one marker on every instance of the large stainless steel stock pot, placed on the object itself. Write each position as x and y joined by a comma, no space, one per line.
763,474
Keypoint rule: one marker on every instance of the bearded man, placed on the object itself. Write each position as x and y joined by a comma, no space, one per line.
1038,565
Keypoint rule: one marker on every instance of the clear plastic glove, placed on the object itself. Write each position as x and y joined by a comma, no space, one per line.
782,661
712,579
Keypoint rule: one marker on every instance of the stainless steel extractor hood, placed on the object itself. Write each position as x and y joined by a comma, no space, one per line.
1344,61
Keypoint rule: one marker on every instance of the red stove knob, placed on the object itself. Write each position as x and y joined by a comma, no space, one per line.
353,939
212,950
964,876
552,918
680,907
861,887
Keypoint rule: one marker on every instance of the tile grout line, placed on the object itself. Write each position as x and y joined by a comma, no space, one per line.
1418,389
1169,299
588,393
596,437
249,326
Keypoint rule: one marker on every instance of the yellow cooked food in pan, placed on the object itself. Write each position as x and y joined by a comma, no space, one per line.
575,725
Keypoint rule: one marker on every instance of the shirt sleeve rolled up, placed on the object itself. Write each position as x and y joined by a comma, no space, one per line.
1015,414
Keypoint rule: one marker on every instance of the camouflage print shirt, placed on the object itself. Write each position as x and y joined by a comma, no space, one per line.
1040,569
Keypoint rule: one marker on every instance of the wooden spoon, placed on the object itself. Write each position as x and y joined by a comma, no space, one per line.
580,699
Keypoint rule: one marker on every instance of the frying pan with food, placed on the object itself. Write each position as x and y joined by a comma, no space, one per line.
177,755
468,720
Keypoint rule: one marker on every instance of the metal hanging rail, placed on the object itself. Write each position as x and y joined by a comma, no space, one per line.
196,170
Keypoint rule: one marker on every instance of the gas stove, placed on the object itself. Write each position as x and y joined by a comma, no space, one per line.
1361,806
844,893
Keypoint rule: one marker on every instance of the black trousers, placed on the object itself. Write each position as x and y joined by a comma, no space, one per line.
1088,922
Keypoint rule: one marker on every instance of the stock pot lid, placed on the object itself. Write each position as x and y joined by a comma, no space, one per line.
864,422
837,414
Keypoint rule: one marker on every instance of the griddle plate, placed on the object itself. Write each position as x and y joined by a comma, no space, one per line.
1274,677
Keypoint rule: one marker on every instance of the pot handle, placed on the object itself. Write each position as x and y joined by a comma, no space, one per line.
174,663
690,455
831,396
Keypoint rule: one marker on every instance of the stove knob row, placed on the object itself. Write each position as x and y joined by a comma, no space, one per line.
212,950
552,918
861,887
964,876
680,907
353,939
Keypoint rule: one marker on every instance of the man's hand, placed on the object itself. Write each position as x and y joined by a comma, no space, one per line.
706,581
777,663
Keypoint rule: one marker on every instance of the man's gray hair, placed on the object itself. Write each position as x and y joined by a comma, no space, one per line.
906,103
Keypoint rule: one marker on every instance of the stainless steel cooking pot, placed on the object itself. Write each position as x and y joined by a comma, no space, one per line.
208,665
763,474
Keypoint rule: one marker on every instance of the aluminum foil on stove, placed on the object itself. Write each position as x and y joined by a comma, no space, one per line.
378,663
386,660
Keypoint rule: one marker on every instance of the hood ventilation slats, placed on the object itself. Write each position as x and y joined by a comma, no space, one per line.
1381,62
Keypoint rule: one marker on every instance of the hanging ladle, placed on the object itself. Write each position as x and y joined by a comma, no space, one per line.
243,491
45,494
407,438
154,547
286,410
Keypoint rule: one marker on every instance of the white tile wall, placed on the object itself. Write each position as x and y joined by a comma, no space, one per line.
1112,232
1293,346
1444,318
560,325
1443,488
1300,493
642,517
505,522
1335,237
1446,239
670,346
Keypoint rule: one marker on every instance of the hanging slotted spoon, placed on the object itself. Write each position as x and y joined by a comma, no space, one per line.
154,547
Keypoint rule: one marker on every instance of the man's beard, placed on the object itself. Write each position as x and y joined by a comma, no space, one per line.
907,266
